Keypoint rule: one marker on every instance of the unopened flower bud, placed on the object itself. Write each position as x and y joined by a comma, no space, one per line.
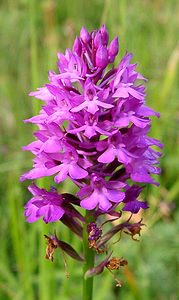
77,47
84,35
101,57
104,34
113,47
98,40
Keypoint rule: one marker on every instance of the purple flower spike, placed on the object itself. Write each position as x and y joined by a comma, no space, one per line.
92,129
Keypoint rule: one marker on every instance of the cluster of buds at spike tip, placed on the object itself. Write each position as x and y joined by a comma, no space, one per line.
93,130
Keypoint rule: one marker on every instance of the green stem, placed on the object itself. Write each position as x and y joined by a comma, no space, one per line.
89,259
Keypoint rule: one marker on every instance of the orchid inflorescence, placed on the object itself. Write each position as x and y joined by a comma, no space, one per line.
93,129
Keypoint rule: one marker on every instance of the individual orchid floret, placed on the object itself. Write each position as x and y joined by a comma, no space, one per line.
101,194
92,99
131,203
68,166
116,148
44,204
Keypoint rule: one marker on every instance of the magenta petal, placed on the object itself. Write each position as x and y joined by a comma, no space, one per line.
91,202
58,212
84,191
101,145
52,145
122,122
79,107
30,212
108,156
35,190
122,156
34,147
43,210
122,92
92,107
143,177
103,104
155,142
135,93
37,119
52,170
115,196
79,129
42,94
135,206
39,202
147,111
142,123
104,204
51,213
62,175
115,184
84,163
89,131
76,172
34,174
103,132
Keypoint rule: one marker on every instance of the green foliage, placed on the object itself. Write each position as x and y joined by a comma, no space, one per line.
31,34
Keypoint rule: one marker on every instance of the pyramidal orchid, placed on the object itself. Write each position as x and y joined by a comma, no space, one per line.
92,129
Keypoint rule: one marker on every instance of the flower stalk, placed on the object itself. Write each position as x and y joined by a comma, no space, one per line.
89,255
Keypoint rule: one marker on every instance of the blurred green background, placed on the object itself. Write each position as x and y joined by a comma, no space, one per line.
31,34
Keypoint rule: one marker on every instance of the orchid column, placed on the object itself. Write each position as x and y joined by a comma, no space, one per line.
92,128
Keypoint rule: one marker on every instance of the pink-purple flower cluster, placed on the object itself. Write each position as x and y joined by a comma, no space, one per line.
92,128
